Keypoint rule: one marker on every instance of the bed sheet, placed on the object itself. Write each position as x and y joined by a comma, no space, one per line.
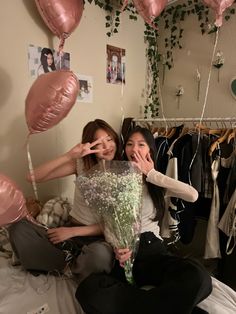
23,293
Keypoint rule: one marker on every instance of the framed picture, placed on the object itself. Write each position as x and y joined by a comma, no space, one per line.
42,60
233,87
115,71
86,88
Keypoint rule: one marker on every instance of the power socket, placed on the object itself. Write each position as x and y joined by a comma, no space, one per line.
40,310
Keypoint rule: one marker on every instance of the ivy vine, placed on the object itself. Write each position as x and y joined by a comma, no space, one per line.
173,18
113,10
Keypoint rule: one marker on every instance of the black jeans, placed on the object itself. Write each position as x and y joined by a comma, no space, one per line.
180,284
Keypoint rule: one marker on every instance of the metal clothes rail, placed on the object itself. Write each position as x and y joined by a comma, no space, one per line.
229,120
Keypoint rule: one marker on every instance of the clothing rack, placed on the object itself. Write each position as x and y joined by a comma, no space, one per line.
229,120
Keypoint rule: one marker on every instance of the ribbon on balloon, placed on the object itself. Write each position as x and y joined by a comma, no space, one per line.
219,6
148,9
61,16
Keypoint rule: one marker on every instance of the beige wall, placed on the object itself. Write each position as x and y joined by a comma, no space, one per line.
197,51
21,25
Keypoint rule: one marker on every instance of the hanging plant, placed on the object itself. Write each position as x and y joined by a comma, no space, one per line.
153,58
173,18
113,10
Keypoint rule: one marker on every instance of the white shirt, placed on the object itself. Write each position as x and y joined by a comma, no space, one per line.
174,188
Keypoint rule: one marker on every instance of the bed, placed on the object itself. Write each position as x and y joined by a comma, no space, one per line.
23,293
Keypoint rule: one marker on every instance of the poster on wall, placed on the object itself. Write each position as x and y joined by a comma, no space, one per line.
42,60
86,88
115,71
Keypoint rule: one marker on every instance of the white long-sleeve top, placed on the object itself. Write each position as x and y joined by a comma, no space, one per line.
174,188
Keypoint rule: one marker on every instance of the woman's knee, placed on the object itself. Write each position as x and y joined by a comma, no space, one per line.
96,257
19,231
102,255
199,278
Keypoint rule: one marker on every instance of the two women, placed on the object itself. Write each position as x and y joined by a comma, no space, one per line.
179,283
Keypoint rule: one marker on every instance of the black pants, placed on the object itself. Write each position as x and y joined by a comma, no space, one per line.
180,284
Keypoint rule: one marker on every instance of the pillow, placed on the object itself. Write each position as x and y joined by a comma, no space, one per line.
55,212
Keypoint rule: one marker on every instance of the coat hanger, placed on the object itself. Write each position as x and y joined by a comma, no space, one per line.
231,136
171,132
220,140
205,130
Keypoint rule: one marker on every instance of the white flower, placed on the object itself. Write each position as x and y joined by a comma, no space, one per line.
115,196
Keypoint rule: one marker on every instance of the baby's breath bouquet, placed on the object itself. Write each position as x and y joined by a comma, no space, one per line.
114,189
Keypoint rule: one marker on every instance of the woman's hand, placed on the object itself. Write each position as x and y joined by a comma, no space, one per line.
57,235
81,150
144,164
122,255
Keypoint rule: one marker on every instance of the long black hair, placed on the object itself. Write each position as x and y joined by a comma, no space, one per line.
44,54
156,192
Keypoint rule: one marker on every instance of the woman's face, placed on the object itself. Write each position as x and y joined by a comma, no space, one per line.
107,144
136,144
49,59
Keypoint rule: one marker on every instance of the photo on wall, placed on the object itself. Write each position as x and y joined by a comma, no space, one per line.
42,60
86,88
115,71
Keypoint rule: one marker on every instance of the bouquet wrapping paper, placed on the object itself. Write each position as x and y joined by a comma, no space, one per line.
113,189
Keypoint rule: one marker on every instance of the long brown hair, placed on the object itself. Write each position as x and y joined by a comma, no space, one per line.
88,137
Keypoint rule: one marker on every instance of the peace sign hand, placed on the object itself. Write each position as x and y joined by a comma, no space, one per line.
145,164
81,150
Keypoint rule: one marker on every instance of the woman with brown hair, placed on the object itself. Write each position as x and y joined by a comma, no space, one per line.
39,249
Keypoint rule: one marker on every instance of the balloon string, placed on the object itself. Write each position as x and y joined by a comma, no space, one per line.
161,103
32,175
204,104
61,44
122,94
209,75
58,130
124,5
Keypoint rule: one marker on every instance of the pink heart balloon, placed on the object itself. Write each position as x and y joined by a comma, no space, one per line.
12,202
61,16
149,9
219,7
50,99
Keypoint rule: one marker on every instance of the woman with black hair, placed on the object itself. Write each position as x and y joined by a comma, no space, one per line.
179,283
47,61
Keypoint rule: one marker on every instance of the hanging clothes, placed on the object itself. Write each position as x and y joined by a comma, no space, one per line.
228,224
212,246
